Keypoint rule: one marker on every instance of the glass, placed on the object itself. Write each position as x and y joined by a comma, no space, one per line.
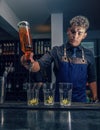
33,93
65,91
49,93
25,38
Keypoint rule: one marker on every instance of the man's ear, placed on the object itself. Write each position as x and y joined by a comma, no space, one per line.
84,35
68,30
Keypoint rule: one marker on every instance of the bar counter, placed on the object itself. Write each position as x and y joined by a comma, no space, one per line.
78,116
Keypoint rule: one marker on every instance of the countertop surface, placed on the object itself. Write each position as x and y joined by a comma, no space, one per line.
56,106
78,116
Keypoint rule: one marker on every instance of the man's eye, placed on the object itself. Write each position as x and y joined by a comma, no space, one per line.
72,31
80,33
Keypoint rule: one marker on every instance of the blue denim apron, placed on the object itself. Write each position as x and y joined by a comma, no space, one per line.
73,70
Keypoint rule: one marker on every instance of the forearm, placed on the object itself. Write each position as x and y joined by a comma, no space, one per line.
93,87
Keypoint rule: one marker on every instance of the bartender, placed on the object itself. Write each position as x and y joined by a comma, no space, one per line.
72,62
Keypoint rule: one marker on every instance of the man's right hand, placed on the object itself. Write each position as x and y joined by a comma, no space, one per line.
33,66
24,61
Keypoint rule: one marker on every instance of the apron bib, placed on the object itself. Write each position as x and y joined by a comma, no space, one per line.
74,71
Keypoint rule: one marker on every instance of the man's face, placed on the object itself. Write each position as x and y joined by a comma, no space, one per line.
75,35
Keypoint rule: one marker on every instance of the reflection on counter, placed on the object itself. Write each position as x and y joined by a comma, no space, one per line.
23,119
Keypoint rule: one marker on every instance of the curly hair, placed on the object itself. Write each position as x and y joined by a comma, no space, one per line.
81,21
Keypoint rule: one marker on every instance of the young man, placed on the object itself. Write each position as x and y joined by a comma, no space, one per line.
72,62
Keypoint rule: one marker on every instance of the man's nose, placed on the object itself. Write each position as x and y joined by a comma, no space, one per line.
75,35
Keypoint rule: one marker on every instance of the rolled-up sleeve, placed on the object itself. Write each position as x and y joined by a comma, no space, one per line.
46,60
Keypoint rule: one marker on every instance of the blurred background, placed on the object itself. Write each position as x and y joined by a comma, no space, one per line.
48,21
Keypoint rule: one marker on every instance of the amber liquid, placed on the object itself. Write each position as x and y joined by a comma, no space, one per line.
25,41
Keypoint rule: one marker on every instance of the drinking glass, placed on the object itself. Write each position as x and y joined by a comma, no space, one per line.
65,91
49,93
33,94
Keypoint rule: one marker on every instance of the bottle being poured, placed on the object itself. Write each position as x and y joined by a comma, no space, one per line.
26,42
25,39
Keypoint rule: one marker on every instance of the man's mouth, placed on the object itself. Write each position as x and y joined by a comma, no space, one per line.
72,40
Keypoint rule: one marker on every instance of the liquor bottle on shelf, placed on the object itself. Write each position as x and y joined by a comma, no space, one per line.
0,49
25,38
4,49
12,48
41,47
9,86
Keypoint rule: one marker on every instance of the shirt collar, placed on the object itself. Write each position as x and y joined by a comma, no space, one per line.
68,46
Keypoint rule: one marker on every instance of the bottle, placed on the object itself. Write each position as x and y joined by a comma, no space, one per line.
0,49
25,38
